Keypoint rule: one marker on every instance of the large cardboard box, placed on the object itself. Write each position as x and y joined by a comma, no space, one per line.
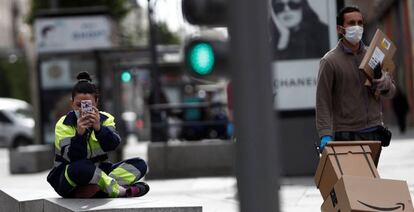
357,194
381,50
346,158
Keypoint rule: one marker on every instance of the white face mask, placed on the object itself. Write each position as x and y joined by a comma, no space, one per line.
353,34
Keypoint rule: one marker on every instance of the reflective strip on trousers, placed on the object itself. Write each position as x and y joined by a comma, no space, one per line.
125,174
108,184
73,184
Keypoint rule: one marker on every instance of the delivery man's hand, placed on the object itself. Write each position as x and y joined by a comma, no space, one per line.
383,83
324,140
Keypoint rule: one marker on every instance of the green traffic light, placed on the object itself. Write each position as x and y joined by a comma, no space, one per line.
126,76
201,58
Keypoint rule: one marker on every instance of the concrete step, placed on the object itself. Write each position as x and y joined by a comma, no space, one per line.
24,200
191,159
141,204
46,200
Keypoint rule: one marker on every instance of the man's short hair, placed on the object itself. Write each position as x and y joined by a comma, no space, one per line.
340,17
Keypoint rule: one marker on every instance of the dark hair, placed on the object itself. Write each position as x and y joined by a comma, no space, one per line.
340,17
309,16
84,85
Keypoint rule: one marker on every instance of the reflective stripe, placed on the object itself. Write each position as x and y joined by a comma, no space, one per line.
56,163
122,176
73,184
97,152
122,182
112,129
115,189
109,185
64,144
66,153
95,147
125,174
96,176
65,141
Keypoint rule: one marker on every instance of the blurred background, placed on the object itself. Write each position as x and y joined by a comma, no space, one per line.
137,52
166,80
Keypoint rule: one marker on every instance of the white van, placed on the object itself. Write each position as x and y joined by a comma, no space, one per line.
16,123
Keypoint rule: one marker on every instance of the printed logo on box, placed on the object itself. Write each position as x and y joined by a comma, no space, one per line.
386,44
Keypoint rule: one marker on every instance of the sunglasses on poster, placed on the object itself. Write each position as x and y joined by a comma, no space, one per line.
280,6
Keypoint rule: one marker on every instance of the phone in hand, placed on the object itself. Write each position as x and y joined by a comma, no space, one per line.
86,106
377,71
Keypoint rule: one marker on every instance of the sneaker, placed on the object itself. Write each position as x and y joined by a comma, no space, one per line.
137,189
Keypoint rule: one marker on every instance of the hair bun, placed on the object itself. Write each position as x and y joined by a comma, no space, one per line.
84,76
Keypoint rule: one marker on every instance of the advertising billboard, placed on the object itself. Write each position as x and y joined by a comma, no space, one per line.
302,31
74,33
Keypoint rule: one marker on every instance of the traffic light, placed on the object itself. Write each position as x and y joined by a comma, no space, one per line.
126,76
206,56
201,58
205,12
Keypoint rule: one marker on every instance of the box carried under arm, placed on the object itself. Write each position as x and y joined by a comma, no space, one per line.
381,50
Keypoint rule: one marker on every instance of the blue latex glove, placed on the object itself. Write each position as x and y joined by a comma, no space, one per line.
324,140
230,129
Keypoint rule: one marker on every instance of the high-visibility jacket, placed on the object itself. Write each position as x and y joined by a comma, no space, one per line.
70,146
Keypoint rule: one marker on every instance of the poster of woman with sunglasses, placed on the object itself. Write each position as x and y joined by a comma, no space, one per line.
297,31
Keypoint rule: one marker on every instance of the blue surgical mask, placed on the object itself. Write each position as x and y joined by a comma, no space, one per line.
77,113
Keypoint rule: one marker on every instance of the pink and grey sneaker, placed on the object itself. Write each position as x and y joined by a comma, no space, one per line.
137,189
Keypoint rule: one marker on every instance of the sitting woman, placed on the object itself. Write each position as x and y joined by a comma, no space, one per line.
83,139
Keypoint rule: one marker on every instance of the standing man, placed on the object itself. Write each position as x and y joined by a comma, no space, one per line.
346,109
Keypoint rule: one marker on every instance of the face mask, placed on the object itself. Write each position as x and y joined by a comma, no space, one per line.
77,113
353,34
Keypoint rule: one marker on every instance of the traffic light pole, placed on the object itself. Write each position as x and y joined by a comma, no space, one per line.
157,120
257,161
153,49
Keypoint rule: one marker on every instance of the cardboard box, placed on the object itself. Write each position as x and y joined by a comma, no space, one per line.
357,194
381,50
346,158
374,146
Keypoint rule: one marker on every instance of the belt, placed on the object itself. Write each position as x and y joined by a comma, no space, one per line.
371,129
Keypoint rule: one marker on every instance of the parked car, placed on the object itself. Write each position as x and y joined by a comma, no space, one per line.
16,123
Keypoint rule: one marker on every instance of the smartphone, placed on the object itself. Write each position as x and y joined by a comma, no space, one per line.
377,71
86,106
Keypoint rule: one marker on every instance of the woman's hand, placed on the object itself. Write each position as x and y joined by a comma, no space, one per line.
82,124
95,119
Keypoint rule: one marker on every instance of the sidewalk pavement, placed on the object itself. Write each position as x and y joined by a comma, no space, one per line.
219,194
